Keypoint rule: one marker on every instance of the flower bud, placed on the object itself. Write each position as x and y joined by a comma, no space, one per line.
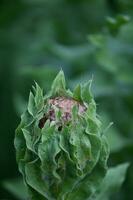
60,149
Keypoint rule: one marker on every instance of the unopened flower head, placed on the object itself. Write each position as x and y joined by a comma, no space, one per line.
61,151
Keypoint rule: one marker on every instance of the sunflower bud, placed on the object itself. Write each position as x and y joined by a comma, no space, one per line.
60,150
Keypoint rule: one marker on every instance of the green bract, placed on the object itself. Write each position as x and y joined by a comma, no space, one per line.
67,163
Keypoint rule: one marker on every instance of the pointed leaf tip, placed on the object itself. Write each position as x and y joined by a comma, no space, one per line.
38,96
59,84
77,93
86,91
31,104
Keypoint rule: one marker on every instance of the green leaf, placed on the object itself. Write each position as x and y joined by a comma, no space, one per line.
112,182
77,93
74,112
31,104
87,187
59,84
17,188
19,143
97,40
47,151
114,24
34,179
64,143
39,100
26,119
104,154
86,92
91,111
95,142
29,139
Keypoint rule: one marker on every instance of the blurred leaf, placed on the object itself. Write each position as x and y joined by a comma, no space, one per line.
116,140
112,182
16,187
114,24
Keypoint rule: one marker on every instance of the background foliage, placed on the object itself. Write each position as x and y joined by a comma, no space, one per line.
83,37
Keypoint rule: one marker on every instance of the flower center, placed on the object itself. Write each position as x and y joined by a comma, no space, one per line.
65,105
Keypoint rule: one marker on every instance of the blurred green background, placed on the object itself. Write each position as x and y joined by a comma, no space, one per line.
86,38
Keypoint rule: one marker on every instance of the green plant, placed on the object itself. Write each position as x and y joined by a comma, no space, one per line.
60,148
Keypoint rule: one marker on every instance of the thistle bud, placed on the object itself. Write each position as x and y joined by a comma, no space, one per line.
60,149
